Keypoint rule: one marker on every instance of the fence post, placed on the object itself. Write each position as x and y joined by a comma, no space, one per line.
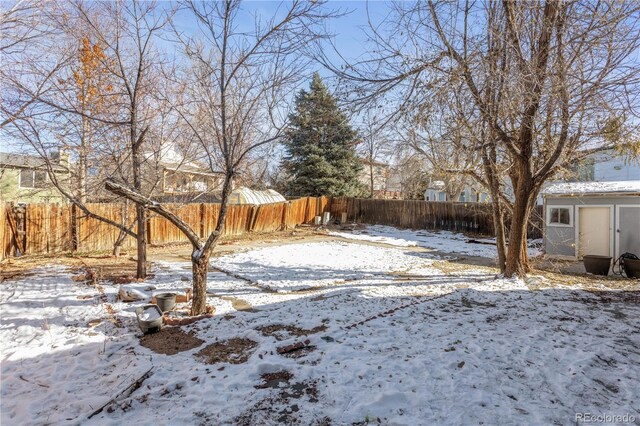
252,218
147,225
73,232
202,220
285,215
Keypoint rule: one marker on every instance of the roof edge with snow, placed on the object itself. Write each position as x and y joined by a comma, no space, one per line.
573,189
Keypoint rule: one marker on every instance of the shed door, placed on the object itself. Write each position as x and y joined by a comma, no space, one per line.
594,231
628,230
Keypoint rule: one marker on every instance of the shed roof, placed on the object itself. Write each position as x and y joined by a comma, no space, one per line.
569,189
244,195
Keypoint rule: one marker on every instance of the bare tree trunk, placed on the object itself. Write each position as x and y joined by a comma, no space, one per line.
501,244
82,161
200,267
371,176
455,195
200,257
517,262
141,239
141,216
117,245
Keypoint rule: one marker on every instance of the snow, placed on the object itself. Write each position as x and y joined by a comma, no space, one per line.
293,267
407,340
442,241
582,188
150,314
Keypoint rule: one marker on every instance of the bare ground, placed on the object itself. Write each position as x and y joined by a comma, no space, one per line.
122,269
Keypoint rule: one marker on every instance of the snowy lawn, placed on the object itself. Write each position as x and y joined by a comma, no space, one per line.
443,241
324,333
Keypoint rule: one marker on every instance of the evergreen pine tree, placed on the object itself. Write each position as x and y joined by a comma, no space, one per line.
320,146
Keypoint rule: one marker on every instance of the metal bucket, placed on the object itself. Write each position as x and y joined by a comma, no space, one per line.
165,301
154,323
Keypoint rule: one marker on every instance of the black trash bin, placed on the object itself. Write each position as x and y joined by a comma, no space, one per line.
597,265
632,268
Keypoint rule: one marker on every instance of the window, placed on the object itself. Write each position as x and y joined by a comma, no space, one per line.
559,215
33,178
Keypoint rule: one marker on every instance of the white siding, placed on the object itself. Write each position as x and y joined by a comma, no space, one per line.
614,169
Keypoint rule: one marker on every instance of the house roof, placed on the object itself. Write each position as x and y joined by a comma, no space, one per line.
189,167
373,163
593,188
24,161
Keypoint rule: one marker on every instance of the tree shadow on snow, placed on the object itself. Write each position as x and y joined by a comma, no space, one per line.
469,353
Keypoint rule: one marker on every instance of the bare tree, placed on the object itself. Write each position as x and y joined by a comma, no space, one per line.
539,81
376,142
237,80
118,62
23,28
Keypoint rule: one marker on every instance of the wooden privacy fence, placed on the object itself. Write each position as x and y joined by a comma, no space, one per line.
56,228
473,218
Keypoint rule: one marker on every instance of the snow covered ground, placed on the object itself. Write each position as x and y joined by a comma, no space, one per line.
443,241
394,337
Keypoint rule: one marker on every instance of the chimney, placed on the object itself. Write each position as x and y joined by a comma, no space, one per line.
61,158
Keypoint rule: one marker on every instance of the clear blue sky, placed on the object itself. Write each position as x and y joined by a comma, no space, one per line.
348,30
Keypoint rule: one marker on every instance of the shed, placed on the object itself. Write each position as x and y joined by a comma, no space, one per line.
244,195
595,218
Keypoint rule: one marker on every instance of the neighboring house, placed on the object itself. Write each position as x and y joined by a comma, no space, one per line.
380,173
395,188
387,181
592,218
24,178
188,178
437,192
607,166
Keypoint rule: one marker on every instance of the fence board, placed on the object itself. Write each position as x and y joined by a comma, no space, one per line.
95,235
161,231
475,218
48,227
5,233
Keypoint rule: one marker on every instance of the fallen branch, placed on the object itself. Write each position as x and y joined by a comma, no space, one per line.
294,347
35,383
472,241
124,393
185,321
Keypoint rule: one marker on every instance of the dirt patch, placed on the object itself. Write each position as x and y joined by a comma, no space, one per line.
296,350
170,341
284,331
632,297
275,380
233,351
453,268
283,406
239,304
